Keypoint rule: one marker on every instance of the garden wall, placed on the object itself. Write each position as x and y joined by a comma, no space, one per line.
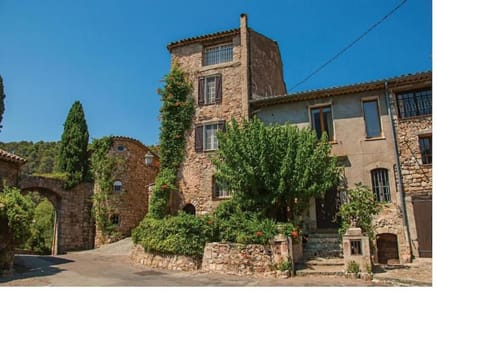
165,261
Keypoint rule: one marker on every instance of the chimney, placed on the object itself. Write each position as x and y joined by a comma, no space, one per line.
243,21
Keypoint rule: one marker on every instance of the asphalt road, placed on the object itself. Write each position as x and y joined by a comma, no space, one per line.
111,266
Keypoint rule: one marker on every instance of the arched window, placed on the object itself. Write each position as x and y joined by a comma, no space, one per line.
380,185
117,186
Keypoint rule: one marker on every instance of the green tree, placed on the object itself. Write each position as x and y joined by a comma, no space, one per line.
73,155
176,117
41,237
2,104
359,210
275,169
16,215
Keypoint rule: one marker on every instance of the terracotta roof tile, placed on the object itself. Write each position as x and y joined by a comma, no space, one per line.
202,38
7,156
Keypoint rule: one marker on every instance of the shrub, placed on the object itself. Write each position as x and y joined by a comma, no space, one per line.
184,234
353,267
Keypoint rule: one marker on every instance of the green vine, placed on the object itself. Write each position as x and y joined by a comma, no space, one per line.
103,166
176,116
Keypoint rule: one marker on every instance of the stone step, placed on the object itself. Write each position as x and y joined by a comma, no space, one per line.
320,266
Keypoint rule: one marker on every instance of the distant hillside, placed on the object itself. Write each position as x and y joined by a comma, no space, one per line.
40,156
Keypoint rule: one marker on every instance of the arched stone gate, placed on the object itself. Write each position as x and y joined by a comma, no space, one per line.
74,225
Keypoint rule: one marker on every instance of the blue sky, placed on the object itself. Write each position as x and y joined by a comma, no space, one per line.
111,55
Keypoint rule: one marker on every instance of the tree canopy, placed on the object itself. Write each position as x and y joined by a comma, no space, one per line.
73,154
275,169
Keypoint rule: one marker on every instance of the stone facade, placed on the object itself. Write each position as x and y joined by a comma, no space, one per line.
10,167
241,79
130,186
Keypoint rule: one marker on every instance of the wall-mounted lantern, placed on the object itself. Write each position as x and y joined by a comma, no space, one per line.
148,158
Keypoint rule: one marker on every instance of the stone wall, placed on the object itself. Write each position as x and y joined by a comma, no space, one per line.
390,221
9,173
164,261
131,203
417,177
245,260
266,67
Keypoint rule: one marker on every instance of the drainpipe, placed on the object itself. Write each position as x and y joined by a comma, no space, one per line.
399,171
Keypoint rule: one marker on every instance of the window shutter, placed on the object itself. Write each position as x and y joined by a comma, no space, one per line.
201,91
221,125
218,89
199,139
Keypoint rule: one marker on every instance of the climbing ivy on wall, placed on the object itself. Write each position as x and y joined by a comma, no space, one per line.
176,116
103,166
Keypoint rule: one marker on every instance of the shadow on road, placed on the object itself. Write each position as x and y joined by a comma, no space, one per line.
29,266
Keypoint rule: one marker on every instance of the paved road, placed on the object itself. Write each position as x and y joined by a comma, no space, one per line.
111,266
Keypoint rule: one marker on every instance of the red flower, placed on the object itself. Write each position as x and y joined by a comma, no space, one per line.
259,233
210,222
164,186
294,233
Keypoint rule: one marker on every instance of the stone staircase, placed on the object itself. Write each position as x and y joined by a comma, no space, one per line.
322,245
322,255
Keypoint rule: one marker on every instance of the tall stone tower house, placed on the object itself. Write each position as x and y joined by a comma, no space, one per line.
227,69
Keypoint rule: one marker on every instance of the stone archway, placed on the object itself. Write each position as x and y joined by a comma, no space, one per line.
190,209
387,248
74,225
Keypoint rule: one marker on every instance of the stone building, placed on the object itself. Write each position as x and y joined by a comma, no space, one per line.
10,168
411,107
227,69
358,122
129,194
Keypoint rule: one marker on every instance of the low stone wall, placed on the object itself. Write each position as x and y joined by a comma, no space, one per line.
165,261
241,259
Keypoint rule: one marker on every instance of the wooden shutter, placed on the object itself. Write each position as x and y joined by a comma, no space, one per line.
218,89
201,91
199,139
221,125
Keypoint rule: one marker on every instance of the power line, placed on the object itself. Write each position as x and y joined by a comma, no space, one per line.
350,45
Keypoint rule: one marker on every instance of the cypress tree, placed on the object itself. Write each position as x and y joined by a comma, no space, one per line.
73,155
2,105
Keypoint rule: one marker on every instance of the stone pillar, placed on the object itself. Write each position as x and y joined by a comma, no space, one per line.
356,247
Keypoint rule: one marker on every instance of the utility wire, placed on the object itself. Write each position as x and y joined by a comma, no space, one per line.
350,45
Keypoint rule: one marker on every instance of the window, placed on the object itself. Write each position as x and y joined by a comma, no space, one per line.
372,119
210,90
426,148
206,136
220,188
380,184
414,103
117,186
218,54
355,247
322,121
115,219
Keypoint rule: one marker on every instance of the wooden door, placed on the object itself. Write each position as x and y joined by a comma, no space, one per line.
422,210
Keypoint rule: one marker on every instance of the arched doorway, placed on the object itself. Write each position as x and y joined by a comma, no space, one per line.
387,248
190,209
54,200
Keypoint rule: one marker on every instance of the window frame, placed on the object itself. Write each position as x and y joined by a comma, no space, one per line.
402,114
117,183
115,219
201,135
381,185
378,117
221,52
204,98
321,106
220,188
426,157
